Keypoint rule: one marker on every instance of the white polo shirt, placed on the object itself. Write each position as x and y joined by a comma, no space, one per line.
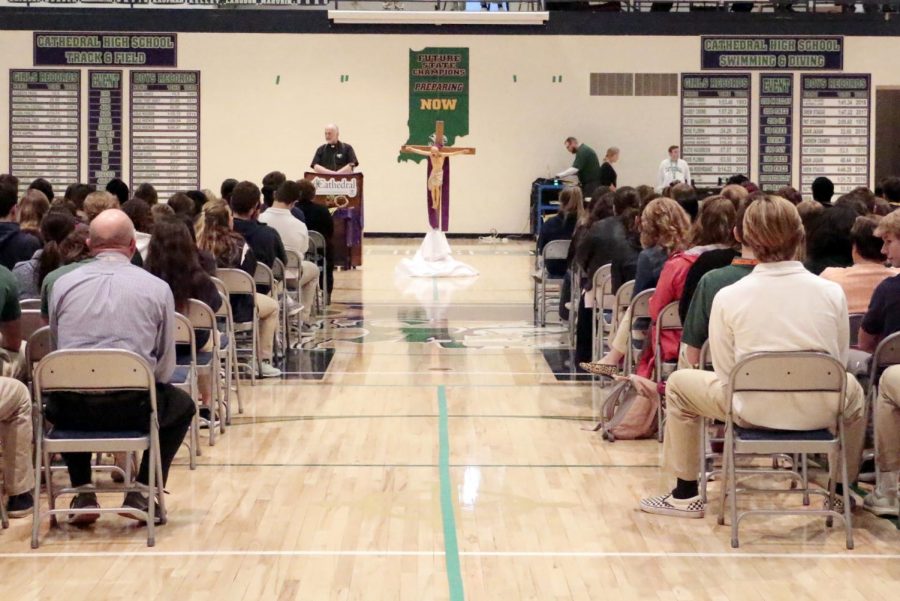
779,307
294,233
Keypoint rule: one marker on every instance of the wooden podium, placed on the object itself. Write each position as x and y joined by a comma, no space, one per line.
343,195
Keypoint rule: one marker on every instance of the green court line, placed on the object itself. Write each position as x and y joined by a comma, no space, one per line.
451,547
583,466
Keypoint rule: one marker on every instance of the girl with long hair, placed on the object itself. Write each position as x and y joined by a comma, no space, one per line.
55,227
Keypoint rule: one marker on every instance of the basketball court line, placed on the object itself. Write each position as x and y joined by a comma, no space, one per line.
585,466
849,555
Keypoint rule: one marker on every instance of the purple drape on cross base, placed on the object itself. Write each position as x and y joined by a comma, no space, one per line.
444,223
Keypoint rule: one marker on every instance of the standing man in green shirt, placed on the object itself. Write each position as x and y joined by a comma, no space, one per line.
586,166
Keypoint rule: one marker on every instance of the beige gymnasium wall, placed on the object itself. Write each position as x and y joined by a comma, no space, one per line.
265,98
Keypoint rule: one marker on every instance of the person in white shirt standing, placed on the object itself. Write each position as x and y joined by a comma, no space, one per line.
779,306
673,170
295,236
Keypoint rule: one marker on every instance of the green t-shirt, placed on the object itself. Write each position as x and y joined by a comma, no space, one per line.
9,296
696,324
588,165
51,278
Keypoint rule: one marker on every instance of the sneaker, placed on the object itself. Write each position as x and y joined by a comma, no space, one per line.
18,506
670,506
267,370
878,504
293,307
84,500
136,500
838,504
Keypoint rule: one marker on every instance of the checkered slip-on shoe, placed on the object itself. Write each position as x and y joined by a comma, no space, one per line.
670,506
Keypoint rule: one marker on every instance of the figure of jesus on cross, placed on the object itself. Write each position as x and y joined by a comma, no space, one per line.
438,176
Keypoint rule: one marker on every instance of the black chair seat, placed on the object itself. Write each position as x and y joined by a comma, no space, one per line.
82,435
755,434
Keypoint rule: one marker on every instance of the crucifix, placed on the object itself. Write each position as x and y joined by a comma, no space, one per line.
438,175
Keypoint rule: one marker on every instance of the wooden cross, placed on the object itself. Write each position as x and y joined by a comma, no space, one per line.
439,142
437,154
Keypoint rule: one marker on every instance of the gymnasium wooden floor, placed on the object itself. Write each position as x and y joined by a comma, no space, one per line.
437,457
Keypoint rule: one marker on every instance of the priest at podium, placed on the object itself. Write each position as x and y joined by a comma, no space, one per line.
334,156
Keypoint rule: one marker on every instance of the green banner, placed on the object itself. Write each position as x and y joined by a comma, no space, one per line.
438,91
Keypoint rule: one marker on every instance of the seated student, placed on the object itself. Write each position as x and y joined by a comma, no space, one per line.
713,230
696,322
148,194
295,236
778,307
706,262
44,186
881,320
604,240
264,240
33,207
828,240
215,235
601,208
174,258
54,229
562,226
665,227
318,219
15,245
73,252
867,272
111,303
790,194
686,196
119,189
139,213
182,204
97,202
823,191
16,435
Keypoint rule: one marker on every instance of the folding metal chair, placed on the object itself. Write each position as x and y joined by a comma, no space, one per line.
668,319
227,351
623,298
96,371
185,378
317,253
796,373
208,363
886,354
239,283
556,250
293,272
37,346
604,302
28,304
640,309
30,322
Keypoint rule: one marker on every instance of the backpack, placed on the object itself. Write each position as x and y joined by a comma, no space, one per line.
629,411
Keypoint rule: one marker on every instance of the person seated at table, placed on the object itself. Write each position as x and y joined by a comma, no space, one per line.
778,307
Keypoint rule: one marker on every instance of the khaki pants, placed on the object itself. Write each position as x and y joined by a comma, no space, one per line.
268,324
309,283
16,437
887,420
692,394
